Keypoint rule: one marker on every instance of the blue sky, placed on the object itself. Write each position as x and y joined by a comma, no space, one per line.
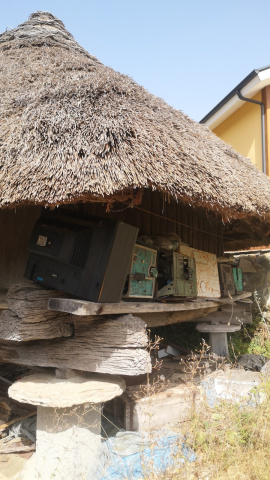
191,53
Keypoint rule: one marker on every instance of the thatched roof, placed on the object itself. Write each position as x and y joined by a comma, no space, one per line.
74,130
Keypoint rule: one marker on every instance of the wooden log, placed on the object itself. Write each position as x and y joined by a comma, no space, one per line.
28,317
237,307
115,346
13,328
31,302
126,331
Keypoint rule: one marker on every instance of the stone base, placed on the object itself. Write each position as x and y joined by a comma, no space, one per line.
68,428
219,344
68,442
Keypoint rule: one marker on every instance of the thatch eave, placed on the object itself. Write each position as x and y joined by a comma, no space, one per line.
73,130
127,196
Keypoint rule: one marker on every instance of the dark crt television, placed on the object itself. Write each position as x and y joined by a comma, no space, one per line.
88,258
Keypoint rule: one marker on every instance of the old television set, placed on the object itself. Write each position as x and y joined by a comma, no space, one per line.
88,257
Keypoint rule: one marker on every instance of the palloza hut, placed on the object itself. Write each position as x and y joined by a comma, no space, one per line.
76,133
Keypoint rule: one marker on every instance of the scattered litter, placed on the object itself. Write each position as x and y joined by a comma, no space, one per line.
25,428
253,362
14,445
132,454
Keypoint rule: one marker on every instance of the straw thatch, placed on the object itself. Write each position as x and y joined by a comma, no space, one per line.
74,130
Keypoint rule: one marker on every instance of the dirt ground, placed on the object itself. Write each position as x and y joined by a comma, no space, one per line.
17,467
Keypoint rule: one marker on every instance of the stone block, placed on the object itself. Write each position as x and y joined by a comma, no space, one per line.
68,442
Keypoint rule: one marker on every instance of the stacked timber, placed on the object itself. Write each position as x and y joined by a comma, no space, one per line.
111,344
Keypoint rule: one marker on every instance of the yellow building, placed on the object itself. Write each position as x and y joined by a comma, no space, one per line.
242,118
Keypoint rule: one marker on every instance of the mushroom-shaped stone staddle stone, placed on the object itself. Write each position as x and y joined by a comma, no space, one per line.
48,390
68,419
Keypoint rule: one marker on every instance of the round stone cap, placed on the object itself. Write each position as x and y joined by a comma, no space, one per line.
48,390
217,328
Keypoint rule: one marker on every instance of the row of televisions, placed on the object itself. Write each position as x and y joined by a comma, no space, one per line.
99,260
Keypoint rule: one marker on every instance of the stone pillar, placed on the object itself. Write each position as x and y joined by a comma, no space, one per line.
218,336
68,441
68,426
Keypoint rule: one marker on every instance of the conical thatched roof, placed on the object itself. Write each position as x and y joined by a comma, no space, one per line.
72,129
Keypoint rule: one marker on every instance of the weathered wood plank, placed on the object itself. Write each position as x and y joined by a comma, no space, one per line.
160,319
81,357
227,300
83,307
115,346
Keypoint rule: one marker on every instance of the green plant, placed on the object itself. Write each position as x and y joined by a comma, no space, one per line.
231,441
253,338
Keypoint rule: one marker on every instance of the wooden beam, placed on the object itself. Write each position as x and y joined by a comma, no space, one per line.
85,308
111,345
161,319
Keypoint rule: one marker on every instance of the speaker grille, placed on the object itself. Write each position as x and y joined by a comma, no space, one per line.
81,248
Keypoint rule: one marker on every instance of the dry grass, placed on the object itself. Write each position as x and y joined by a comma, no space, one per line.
79,130
232,442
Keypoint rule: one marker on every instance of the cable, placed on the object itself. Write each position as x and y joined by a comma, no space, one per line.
173,221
